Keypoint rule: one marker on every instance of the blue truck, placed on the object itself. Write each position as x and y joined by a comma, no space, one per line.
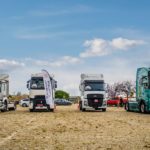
142,102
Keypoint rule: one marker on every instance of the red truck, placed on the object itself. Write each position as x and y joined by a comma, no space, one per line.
117,101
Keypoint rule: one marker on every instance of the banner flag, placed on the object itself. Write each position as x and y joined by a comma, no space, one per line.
48,89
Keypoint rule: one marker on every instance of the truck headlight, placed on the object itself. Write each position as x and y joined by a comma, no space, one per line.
104,102
85,103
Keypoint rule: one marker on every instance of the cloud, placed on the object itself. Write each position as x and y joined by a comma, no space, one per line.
9,65
121,43
101,47
65,60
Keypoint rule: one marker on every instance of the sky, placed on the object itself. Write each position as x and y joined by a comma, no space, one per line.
70,37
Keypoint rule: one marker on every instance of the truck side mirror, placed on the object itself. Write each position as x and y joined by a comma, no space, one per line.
81,87
28,84
55,84
106,87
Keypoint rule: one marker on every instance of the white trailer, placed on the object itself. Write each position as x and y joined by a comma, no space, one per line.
5,103
41,91
93,92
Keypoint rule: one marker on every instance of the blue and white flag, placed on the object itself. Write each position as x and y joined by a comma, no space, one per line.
48,89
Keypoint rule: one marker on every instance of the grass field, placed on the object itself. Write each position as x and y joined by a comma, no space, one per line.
67,128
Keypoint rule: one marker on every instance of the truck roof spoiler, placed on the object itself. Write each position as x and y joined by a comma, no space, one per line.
4,77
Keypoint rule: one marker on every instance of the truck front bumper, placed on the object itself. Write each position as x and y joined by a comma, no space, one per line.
91,108
87,107
36,107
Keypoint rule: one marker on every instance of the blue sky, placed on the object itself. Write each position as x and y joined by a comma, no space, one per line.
72,37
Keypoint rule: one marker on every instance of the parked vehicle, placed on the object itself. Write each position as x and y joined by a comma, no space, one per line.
113,101
93,92
142,103
62,102
24,102
41,91
5,103
117,101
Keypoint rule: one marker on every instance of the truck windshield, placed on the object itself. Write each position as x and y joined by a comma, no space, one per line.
94,86
37,83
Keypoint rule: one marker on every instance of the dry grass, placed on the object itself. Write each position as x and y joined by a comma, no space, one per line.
67,128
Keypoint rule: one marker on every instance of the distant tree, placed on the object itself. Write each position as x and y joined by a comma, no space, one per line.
61,94
18,94
126,87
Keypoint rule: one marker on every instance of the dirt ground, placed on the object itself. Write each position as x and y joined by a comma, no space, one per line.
67,128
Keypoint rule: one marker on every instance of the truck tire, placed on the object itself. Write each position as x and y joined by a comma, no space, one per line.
51,110
13,109
31,110
80,106
48,108
83,109
142,108
103,109
5,107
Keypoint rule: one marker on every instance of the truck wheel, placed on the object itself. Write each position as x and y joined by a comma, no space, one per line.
103,109
48,108
31,110
14,108
51,110
5,107
81,109
142,108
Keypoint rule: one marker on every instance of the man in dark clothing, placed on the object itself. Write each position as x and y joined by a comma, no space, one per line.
121,102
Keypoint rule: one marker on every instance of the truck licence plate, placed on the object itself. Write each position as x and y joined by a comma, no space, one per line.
96,100
39,105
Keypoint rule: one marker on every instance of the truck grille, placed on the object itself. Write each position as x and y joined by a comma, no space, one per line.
95,100
40,100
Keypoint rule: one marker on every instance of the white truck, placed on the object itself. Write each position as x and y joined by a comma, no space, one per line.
93,92
41,91
5,103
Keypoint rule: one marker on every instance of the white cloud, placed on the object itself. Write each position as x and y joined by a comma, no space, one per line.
101,47
9,65
96,47
65,60
121,43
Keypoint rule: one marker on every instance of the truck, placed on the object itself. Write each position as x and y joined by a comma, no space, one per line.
41,91
5,103
142,100
93,92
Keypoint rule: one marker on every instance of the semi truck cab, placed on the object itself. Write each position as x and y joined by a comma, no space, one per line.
142,103
93,92
37,92
5,103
